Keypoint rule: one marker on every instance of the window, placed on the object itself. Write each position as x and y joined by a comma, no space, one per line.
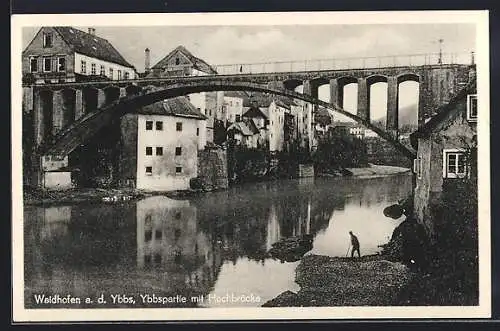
149,125
102,71
453,163
197,131
472,107
119,74
238,118
159,150
149,171
126,75
47,40
266,122
93,69
111,73
178,170
417,166
178,150
47,64
177,61
83,67
178,126
159,125
149,150
33,64
61,64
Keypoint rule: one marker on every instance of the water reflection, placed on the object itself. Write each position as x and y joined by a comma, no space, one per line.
209,246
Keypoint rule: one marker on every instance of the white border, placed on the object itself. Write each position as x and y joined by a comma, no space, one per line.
479,18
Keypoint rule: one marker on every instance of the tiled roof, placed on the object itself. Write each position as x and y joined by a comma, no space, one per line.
179,106
264,100
198,63
247,128
255,112
91,45
236,94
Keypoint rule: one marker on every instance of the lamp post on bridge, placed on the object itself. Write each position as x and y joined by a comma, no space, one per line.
440,59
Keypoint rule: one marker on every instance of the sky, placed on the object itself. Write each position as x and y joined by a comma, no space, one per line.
254,44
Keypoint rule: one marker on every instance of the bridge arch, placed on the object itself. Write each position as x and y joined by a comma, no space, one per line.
111,93
69,106
88,125
408,76
374,79
378,83
133,89
292,84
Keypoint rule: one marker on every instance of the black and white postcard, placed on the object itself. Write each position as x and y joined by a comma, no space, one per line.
263,166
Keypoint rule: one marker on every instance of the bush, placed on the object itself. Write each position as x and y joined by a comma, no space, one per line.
195,183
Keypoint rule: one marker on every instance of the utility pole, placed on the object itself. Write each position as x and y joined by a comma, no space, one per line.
440,60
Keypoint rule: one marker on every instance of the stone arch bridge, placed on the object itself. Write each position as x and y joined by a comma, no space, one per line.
65,115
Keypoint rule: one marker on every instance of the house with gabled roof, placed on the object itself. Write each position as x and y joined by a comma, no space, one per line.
66,54
244,133
160,144
181,62
445,146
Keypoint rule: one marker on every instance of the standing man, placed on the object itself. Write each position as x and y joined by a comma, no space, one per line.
355,244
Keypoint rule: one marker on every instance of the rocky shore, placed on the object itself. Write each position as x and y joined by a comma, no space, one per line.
337,281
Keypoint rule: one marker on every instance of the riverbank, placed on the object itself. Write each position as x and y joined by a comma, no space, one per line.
372,171
375,170
337,281
35,196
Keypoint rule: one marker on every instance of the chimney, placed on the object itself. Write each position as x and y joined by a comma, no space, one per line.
92,31
147,60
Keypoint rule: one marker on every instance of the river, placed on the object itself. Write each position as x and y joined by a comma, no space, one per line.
208,251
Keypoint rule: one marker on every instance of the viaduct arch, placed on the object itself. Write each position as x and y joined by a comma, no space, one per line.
121,103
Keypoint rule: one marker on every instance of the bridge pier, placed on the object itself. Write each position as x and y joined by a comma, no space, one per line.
334,92
363,107
101,100
58,111
78,104
392,104
310,89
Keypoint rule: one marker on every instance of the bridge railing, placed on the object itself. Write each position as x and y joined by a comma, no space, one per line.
346,63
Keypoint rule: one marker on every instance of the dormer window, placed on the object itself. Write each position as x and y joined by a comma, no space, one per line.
177,61
47,40
472,107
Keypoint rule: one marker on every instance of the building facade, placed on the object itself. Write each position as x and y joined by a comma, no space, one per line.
180,62
66,54
443,145
160,145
